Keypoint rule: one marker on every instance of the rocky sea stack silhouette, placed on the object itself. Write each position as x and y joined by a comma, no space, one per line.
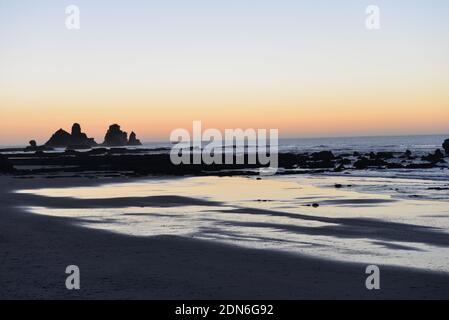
133,141
74,140
115,137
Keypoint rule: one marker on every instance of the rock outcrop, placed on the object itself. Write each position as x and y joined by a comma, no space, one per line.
446,146
115,137
60,139
74,140
434,157
80,139
34,147
5,165
133,141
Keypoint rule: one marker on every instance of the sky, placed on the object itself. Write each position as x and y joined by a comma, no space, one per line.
307,68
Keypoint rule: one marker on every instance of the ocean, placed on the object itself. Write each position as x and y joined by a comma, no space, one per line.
417,143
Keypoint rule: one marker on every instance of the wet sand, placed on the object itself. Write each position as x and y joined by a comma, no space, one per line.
36,249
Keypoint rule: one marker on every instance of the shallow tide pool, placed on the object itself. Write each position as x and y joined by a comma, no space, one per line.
368,220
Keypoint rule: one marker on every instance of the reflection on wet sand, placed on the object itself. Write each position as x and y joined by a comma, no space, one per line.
350,224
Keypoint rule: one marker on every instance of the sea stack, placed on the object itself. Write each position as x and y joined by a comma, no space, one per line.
115,137
75,140
79,140
446,146
133,141
60,139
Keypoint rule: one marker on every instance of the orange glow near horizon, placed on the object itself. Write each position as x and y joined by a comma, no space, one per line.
295,66
325,115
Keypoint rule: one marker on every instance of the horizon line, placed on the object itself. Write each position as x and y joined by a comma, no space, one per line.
146,141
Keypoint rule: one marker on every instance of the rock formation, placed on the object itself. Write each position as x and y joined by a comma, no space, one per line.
5,165
74,140
115,137
133,141
446,146
323,156
79,140
434,157
60,139
34,147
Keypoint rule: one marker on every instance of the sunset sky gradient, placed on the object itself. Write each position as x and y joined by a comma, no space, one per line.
308,68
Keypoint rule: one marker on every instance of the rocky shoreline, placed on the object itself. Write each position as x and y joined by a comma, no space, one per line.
141,161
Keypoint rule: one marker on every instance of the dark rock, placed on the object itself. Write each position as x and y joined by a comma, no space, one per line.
34,147
394,166
446,146
74,140
315,205
407,155
321,164
133,141
434,157
385,155
79,140
438,188
290,160
76,130
5,165
60,139
420,165
115,137
323,156
71,152
364,163
338,186
98,151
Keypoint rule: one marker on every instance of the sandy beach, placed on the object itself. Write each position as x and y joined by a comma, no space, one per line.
224,150
35,250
